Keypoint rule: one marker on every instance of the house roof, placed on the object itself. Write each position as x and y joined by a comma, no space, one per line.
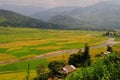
107,52
67,69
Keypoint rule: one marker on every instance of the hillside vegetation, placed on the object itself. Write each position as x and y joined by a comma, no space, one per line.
107,68
9,18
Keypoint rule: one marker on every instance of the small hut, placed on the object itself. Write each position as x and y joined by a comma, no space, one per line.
67,69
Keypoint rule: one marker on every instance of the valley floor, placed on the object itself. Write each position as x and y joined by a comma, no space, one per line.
22,46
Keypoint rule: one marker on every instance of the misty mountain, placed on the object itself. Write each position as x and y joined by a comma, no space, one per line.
9,18
99,12
100,16
25,10
68,21
47,14
103,15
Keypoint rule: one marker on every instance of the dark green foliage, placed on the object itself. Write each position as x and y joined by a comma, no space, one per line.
86,53
51,74
112,62
107,34
112,34
105,69
112,58
75,60
86,56
80,59
43,76
99,55
109,48
55,66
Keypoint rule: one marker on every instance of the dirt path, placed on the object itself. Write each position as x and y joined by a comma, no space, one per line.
110,42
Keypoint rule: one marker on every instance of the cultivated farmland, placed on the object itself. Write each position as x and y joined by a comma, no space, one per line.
22,43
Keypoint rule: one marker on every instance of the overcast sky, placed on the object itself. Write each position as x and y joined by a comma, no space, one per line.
53,3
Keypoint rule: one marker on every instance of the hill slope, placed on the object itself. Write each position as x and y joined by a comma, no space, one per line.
47,14
104,14
8,18
69,21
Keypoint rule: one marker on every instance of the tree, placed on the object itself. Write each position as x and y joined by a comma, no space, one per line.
86,52
107,33
107,68
81,58
109,48
86,56
55,66
75,59
42,76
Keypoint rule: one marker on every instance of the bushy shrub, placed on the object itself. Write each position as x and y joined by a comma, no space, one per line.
42,76
80,59
55,66
105,69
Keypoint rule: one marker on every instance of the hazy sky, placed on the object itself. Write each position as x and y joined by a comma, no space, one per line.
53,3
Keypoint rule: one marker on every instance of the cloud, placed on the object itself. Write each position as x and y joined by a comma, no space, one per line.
52,3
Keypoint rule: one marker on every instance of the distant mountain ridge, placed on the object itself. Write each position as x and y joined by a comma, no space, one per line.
100,16
69,21
9,18
103,15
47,14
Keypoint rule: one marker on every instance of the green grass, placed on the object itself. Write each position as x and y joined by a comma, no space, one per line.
22,66
25,51
12,36
2,50
17,75
8,34
74,45
117,38
25,42
2,19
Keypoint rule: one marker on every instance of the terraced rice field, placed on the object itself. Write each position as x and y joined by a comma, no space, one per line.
16,43
25,42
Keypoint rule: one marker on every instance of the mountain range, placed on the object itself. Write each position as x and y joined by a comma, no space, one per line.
47,14
103,15
9,18
100,16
